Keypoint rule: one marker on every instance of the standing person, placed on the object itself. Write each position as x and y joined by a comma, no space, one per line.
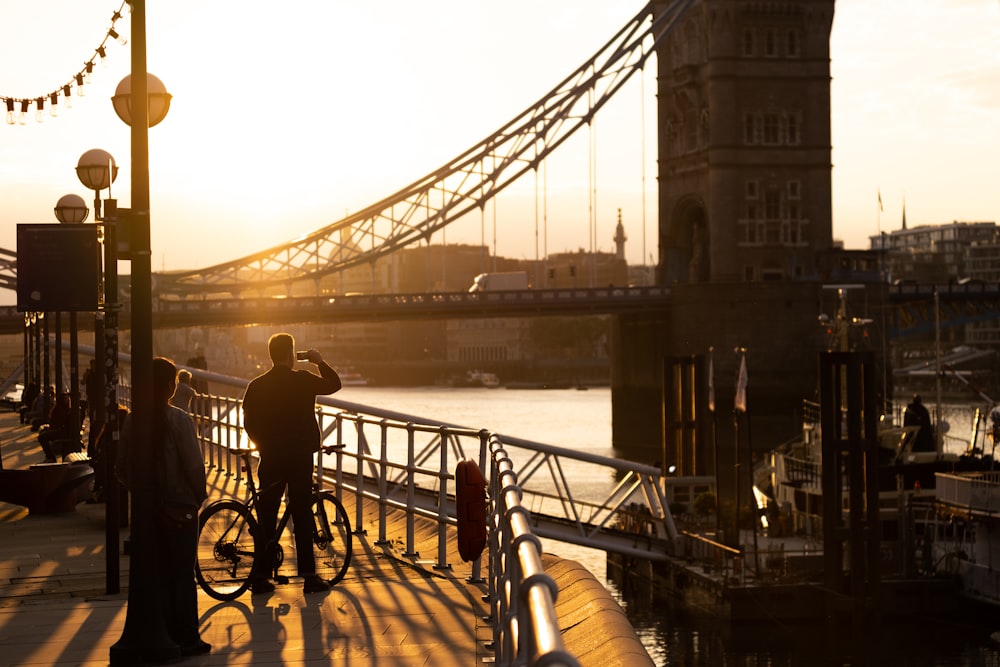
179,479
279,414
184,391
916,414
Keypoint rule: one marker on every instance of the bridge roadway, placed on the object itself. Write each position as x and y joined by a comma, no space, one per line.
170,313
911,306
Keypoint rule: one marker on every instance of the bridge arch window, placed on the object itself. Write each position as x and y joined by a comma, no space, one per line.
792,129
772,204
794,190
751,189
771,134
770,43
792,43
748,42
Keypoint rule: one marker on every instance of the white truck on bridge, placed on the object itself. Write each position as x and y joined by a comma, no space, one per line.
499,281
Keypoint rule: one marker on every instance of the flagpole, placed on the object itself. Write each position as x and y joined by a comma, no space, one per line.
742,384
715,433
739,405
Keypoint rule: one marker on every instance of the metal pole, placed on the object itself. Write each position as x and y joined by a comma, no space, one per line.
58,359
46,378
144,638
74,373
106,349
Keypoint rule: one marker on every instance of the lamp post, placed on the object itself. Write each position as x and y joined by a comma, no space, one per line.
72,210
144,638
97,171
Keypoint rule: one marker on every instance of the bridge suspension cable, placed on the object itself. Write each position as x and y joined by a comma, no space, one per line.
443,196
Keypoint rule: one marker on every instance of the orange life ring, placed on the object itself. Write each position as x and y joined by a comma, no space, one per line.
470,501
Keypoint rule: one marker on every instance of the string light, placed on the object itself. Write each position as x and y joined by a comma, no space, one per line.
113,34
78,80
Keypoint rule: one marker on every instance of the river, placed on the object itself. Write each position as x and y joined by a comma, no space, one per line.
582,420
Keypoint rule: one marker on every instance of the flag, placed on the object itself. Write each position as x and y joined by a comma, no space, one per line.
711,382
741,385
880,200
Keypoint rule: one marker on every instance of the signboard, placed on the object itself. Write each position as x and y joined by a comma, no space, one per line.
57,268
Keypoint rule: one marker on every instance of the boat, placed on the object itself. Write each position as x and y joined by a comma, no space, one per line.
476,378
791,477
349,377
966,532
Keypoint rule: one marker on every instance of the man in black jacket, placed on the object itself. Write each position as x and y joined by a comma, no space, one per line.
279,414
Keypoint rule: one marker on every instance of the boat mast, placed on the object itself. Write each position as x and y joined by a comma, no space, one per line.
938,435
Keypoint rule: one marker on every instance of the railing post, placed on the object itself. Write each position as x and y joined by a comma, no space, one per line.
338,474
359,481
383,470
476,576
443,476
411,499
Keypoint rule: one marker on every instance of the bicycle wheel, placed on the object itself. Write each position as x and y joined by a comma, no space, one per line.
332,539
225,549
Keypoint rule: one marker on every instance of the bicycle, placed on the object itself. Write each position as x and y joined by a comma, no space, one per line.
228,554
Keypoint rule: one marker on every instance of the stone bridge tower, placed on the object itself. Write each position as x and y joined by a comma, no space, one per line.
744,142
745,230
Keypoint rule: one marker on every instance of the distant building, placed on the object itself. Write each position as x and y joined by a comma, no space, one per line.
940,253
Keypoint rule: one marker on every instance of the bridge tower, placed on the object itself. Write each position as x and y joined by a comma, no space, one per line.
745,231
744,142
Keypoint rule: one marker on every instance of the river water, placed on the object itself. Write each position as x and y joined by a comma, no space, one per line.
582,420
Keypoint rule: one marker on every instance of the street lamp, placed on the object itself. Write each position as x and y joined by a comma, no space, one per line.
144,638
72,210
156,93
97,170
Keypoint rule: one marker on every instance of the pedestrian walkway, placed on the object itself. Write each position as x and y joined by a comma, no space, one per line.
389,610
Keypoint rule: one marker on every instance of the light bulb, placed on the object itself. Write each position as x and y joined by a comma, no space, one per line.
39,109
54,104
79,85
68,96
114,35
89,69
10,112
103,54
23,117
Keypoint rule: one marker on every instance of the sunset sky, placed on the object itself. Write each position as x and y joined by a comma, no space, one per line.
287,116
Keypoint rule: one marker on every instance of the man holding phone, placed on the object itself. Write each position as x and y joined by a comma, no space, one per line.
279,414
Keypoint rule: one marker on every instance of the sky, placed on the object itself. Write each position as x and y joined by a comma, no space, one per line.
287,116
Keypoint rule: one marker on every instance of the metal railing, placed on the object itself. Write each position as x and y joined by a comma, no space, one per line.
978,493
401,462
523,596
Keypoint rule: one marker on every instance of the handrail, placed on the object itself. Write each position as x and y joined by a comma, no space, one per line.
525,625
384,460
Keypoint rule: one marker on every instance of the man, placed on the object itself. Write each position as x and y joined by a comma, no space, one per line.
279,414
916,414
